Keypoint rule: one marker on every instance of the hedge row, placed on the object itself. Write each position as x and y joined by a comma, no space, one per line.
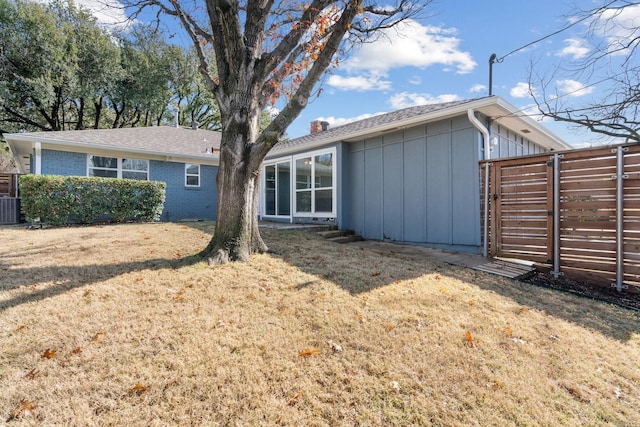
70,199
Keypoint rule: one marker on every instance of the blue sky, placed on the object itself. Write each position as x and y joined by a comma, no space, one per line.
444,56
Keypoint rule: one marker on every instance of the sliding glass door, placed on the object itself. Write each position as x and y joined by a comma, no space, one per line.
277,193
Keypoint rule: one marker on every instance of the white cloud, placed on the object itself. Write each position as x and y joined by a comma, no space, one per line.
109,13
531,110
575,48
477,88
359,83
572,88
618,26
272,111
412,44
339,121
520,90
406,99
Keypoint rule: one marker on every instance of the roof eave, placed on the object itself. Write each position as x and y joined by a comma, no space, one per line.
537,133
60,142
477,105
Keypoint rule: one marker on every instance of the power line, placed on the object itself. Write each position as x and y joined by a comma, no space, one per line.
566,27
522,110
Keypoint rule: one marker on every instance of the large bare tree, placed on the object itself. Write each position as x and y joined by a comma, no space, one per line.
256,52
605,58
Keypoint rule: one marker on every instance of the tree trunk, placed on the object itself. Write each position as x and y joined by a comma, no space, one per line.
98,113
236,234
80,109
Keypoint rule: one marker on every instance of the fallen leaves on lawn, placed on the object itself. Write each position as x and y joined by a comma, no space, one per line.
98,337
294,399
307,352
138,389
32,374
25,409
469,338
48,353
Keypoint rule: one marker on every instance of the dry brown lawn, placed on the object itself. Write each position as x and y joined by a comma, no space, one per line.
117,325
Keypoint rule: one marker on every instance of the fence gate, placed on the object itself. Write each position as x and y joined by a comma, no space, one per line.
578,211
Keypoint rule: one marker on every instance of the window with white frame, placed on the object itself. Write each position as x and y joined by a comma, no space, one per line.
191,175
314,185
116,167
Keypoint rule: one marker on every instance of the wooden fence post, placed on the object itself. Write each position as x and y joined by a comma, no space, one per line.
620,177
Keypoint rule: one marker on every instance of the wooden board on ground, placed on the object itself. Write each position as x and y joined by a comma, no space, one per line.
505,268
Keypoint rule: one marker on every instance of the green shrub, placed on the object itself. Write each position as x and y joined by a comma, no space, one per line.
71,199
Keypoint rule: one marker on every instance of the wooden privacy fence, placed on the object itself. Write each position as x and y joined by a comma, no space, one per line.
578,211
9,202
8,184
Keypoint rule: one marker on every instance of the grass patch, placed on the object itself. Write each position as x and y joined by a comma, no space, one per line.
117,325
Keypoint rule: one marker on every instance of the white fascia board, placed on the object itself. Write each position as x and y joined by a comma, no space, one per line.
88,148
554,142
457,110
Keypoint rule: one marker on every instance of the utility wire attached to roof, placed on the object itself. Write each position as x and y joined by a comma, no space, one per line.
566,27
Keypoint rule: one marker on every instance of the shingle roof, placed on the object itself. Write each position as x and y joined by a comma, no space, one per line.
157,139
336,133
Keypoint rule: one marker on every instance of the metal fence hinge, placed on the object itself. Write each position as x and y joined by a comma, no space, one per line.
619,287
550,163
625,176
613,150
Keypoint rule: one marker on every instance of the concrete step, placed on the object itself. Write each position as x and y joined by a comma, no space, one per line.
329,234
346,239
340,236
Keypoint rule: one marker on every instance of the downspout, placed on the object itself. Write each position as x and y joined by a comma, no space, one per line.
485,134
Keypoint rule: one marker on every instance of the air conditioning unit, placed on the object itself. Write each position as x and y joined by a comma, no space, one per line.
9,210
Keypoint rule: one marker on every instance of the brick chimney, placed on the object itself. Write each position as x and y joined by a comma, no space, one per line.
316,127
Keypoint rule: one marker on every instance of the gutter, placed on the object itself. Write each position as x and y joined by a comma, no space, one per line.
107,148
487,156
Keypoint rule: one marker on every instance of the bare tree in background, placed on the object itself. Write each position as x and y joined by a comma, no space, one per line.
253,53
605,58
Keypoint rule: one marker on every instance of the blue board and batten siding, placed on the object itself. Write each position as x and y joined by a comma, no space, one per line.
422,185
419,185
181,202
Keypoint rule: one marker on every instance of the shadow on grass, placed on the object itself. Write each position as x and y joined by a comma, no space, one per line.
358,270
45,282
355,269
